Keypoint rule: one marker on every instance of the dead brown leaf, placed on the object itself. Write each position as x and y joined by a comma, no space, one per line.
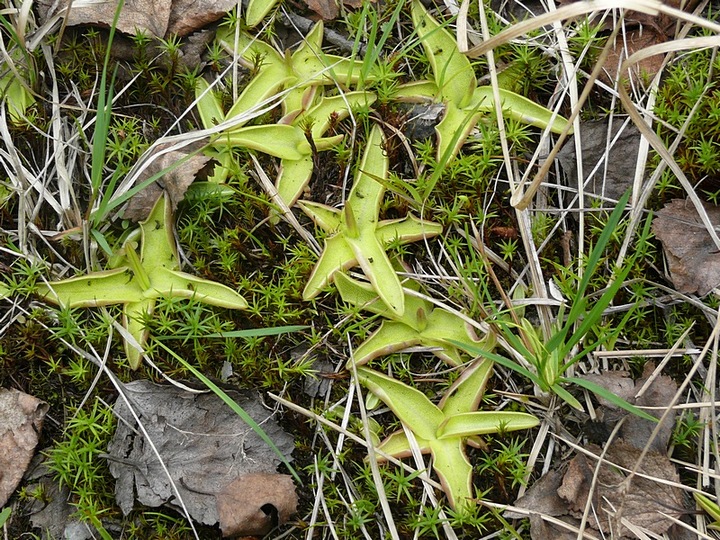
612,165
175,182
632,41
254,504
692,257
158,18
641,501
201,441
636,431
327,10
21,419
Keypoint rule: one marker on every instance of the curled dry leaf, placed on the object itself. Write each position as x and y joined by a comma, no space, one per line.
158,18
254,504
693,259
21,419
203,444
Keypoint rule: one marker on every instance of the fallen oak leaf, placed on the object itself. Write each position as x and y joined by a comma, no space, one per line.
327,10
203,443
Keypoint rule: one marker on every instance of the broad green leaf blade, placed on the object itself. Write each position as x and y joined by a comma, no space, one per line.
293,178
467,392
453,130
389,338
410,405
134,316
256,11
316,66
453,72
612,398
325,217
377,267
116,286
337,107
397,445
251,51
208,106
362,294
454,471
367,192
518,108
158,243
166,282
327,143
283,141
337,256
416,92
407,229
268,82
445,327
484,422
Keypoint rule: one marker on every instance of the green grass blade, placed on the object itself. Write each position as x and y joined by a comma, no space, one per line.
577,310
612,398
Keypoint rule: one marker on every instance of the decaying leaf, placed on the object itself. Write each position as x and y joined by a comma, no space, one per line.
175,182
609,155
327,10
21,419
203,444
693,259
639,500
635,430
158,18
254,504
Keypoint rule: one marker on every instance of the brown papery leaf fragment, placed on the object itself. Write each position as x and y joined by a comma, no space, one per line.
21,419
635,430
254,504
693,259
641,501
326,9
156,18
175,182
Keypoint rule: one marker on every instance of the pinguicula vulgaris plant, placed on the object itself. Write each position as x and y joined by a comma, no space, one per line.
357,236
444,429
455,85
138,280
422,324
